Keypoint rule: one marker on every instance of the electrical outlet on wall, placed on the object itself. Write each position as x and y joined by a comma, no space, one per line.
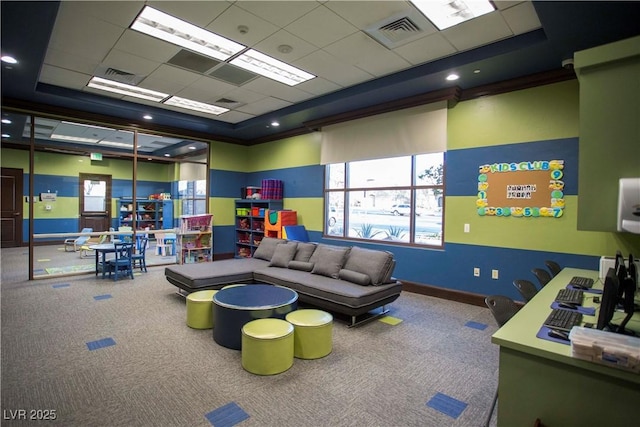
476,271
494,274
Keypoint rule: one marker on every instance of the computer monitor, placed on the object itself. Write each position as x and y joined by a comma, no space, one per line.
609,301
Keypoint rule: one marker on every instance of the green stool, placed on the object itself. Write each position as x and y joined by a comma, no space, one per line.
267,346
200,309
313,333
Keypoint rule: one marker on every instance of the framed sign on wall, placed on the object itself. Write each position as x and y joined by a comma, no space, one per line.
522,189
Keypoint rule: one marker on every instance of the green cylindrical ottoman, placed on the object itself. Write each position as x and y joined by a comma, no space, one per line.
200,309
267,346
313,333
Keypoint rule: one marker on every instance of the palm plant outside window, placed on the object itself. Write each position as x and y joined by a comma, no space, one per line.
396,200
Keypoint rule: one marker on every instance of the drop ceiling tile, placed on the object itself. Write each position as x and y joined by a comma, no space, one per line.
243,95
522,18
175,74
478,32
263,106
76,63
269,46
333,27
278,90
505,4
130,63
318,86
234,117
323,64
122,15
362,51
362,16
88,37
200,13
146,46
227,25
280,13
206,89
63,77
427,49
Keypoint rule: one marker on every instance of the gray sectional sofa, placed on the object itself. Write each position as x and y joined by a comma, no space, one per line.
347,280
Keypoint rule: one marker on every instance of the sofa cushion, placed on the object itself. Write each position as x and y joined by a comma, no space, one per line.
354,277
266,248
300,265
316,254
304,252
210,275
375,263
329,260
282,254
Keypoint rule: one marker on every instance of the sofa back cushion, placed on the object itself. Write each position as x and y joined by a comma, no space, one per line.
378,265
304,252
267,247
283,253
328,260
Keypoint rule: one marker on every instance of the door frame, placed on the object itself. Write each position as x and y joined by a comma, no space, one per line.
82,177
18,212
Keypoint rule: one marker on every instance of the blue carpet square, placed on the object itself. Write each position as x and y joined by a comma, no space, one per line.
105,342
227,415
101,297
61,285
447,405
476,325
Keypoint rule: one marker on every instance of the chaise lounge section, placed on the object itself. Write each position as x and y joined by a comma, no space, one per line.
347,280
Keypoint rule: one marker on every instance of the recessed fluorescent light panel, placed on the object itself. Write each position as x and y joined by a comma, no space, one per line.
125,89
447,13
173,30
267,66
195,105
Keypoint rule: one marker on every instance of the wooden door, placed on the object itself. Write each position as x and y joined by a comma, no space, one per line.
12,212
95,201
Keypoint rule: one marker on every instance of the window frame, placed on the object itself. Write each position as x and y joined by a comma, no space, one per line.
329,200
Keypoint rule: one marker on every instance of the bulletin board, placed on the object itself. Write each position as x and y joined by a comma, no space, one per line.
521,189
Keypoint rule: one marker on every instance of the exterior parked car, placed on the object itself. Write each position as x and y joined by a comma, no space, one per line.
401,209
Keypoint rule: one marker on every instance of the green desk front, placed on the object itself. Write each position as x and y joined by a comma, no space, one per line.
538,379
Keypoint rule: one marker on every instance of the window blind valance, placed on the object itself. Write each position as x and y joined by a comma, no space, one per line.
417,130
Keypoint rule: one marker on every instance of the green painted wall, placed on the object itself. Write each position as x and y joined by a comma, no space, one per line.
543,113
609,78
301,150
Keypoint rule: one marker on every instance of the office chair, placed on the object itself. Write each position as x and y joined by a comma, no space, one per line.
542,275
503,308
553,267
141,256
526,288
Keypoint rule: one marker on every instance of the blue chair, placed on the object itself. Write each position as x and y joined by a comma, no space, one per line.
140,257
122,264
77,243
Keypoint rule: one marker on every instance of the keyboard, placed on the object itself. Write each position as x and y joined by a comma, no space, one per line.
582,282
563,320
572,296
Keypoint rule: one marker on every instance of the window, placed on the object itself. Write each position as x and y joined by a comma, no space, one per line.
397,200
193,195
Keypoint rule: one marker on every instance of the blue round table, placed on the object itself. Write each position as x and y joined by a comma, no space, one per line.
235,306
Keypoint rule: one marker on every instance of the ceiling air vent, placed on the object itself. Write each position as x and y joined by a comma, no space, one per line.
118,75
228,103
400,29
232,74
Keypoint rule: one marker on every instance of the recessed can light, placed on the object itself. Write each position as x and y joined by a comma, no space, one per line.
167,155
275,124
9,59
6,121
451,77
147,117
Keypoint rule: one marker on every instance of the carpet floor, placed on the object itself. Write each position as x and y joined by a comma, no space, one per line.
104,353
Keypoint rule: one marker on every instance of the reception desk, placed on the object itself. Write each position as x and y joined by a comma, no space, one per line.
538,378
